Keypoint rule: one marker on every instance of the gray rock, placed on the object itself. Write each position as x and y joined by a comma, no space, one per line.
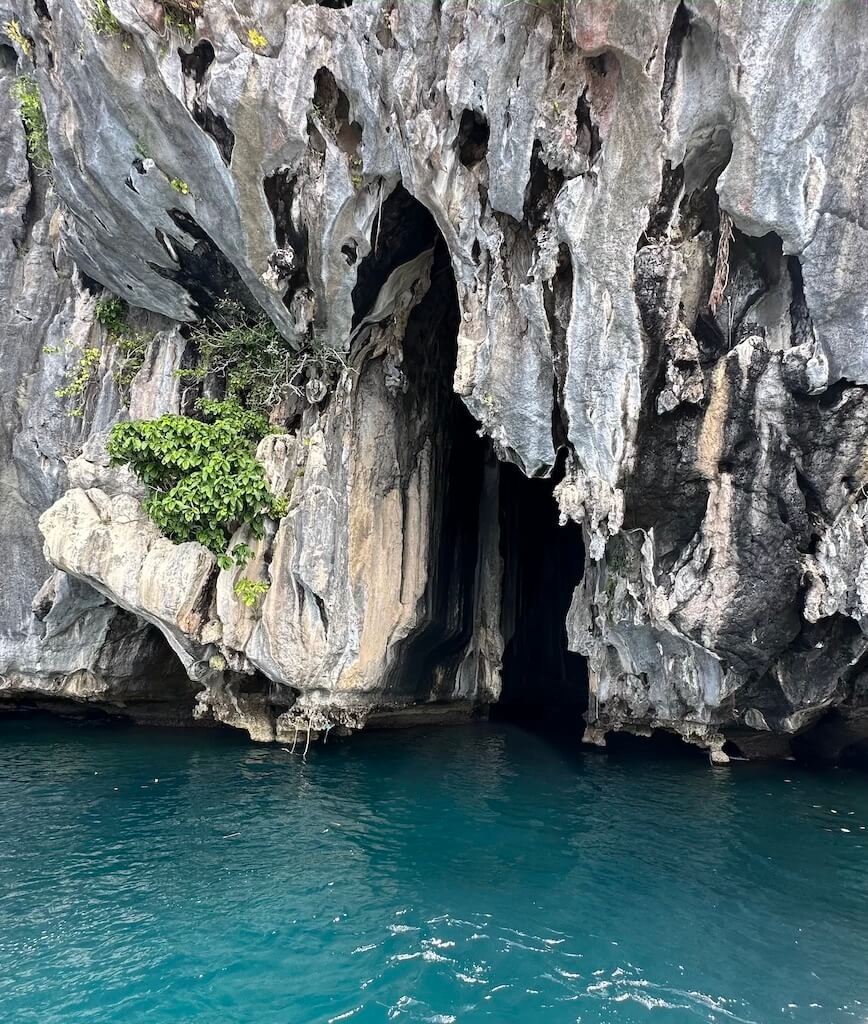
549,185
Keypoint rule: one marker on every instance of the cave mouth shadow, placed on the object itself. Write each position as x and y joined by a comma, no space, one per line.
544,684
479,504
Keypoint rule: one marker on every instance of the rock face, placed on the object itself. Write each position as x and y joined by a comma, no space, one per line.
621,247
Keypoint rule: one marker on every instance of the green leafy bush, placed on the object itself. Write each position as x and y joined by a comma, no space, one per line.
202,477
132,345
26,92
248,592
248,355
179,185
279,507
111,312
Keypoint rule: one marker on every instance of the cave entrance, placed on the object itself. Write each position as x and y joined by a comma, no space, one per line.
434,661
488,518
544,683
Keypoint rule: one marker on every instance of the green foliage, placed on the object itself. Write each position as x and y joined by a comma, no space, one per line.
131,345
78,379
248,592
202,477
112,314
179,185
13,30
251,358
241,554
180,16
26,92
102,21
279,507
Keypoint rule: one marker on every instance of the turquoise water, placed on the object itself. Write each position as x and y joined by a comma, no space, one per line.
464,874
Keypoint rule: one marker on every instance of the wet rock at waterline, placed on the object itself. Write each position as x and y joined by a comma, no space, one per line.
598,261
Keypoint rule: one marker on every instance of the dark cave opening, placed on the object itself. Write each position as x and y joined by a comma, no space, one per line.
144,682
432,656
543,681
472,139
403,229
487,517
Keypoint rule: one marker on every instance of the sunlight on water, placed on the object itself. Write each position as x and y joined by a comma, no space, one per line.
450,875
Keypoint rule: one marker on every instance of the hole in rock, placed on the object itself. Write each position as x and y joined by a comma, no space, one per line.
144,680
215,126
332,106
542,188
678,31
8,58
431,417
660,743
839,737
202,269
543,681
498,557
402,230
281,193
587,129
195,63
472,140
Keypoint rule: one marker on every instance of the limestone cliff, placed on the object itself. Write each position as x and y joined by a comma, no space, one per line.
621,246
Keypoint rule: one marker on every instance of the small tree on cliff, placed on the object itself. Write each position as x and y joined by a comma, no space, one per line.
202,476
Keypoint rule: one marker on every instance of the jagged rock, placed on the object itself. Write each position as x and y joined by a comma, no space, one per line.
630,241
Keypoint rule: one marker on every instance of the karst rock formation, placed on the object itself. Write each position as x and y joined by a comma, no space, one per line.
601,261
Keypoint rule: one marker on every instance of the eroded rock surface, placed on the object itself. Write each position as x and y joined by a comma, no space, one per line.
625,245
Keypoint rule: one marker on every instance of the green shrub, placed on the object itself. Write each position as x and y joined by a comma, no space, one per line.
112,314
102,21
131,345
202,477
181,186
246,354
26,92
248,592
79,379
279,507
239,555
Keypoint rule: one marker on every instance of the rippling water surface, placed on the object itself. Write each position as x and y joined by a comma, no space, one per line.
450,875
